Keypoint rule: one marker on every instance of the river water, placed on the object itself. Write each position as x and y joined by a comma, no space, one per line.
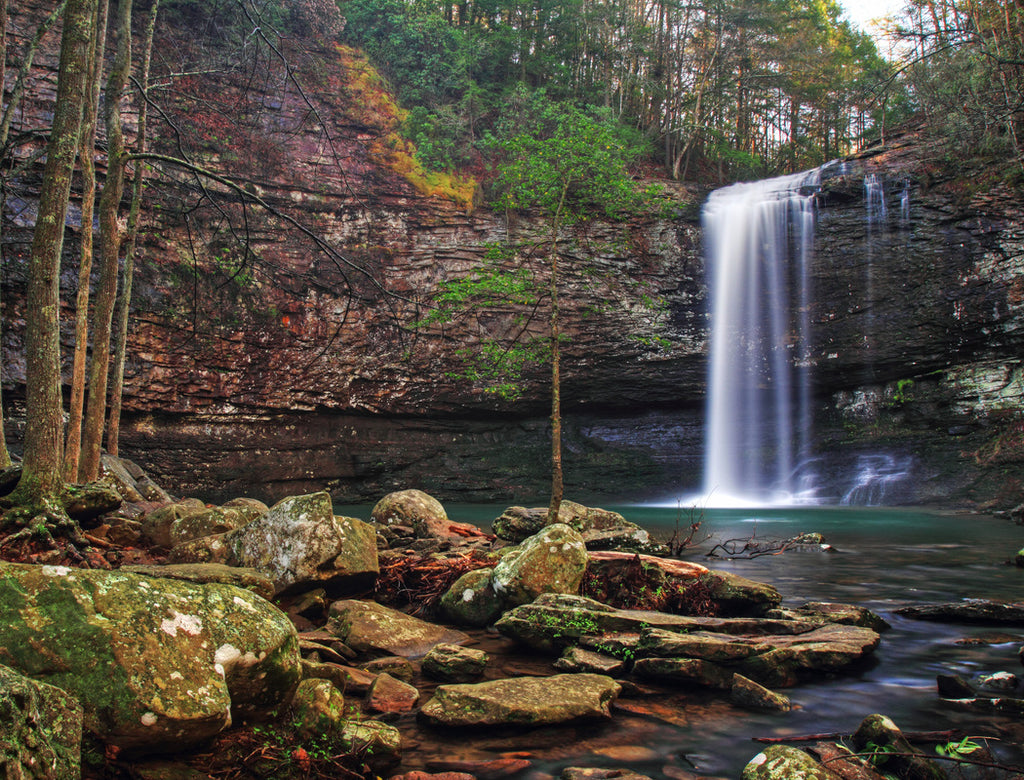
884,559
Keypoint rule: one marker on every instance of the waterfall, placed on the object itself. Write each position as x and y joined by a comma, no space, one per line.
758,243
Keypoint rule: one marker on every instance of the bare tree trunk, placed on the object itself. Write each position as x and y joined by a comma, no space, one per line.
17,92
556,371
5,456
87,158
110,246
125,299
41,483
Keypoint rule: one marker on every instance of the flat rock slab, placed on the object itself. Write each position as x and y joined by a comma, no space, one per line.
369,627
968,611
523,701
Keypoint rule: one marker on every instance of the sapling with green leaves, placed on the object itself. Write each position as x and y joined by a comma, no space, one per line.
569,166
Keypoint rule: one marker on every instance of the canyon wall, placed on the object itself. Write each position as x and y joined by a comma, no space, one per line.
291,359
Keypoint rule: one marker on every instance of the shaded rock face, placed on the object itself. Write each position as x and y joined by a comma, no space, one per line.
305,358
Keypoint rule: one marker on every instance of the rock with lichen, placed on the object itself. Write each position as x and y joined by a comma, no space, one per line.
158,664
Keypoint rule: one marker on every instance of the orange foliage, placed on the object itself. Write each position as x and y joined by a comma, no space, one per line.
369,90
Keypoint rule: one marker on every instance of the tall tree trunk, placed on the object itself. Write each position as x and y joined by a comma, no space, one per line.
110,246
17,92
125,300
87,158
41,483
5,455
556,370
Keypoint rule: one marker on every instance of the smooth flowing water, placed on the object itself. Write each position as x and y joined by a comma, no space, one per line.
759,238
885,558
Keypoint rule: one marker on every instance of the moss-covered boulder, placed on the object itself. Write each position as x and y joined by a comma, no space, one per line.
300,544
424,514
157,664
601,529
471,600
206,522
551,561
40,729
523,701
156,525
782,762
373,629
317,708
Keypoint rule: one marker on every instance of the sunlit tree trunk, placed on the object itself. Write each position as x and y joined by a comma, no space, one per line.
110,246
41,481
86,155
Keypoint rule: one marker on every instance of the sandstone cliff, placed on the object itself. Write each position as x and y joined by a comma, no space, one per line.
273,352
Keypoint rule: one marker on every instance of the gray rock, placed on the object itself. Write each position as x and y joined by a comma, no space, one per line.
552,561
600,529
770,651
371,628
523,701
41,731
206,522
453,663
471,600
829,612
156,525
300,544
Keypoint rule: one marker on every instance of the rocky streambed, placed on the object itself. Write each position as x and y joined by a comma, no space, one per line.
249,641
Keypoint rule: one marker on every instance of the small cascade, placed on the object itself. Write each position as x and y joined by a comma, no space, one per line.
759,241
905,204
874,196
877,476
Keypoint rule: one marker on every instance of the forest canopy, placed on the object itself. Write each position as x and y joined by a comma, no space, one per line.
717,89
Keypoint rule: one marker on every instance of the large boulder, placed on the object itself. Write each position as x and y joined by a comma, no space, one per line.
156,525
523,701
157,664
424,514
601,529
208,521
471,600
373,629
300,544
551,561
40,729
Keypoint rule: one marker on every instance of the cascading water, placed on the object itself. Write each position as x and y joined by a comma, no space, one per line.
759,241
